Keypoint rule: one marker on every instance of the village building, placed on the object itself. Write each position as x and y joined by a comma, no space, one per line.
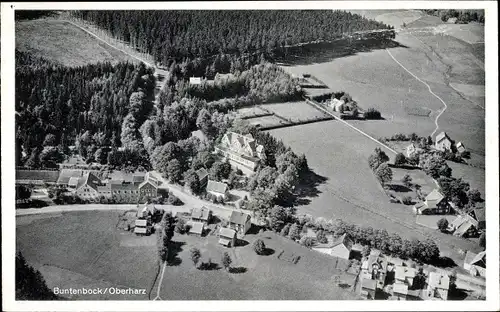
460,147
202,174
217,189
340,247
149,187
87,187
337,105
414,294
36,177
443,142
399,291
435,203
464,226
194,80
227,237
73,183
240,222
368,288
124,192
197,228
438,285
242,151
479,214
404,275
375,267
142,227
203,215
66,174
412,149
475,264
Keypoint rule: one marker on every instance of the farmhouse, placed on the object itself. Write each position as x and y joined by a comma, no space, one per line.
464,226
202,174
242,151
240,222
460,147
149,187
438,285
87,187
368,288
404,275
227,237
36,177
375,267
435,203
411,150
218,189
341,247
475,264
203,215
400,291
337,105
197,228
443,142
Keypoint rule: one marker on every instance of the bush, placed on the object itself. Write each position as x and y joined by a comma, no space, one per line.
407,200
180,227
321,237
174,200
442,224
400,159
372,113
406,180
307,241
259,247
285,230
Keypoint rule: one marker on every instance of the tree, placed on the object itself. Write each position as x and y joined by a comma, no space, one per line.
294,232
180,226
407,200
482,240
384,174
278,217
321,237
419,280
259,247
366,251
174,171
192,181
377,158
220,170
226,260
50,157
30,284
23,192
50,140
307,241
195,255
285,230
442,224
407,180
434,165
400,159
474,196
162,155
455,189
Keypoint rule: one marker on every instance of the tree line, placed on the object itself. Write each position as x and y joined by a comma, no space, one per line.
462,16
175,35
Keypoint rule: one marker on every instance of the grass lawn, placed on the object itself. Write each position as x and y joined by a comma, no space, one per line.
64,43
419,177
267,121
295,111
474,176
84,249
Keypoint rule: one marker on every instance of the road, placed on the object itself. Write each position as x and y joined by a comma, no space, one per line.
430,91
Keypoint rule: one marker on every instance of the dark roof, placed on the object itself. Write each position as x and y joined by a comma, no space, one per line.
214,186
345,240
239,217
89,179
442,136
124,187
480,214
137,178
201,173
200,213
49,176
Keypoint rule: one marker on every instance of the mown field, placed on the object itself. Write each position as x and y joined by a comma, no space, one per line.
64,43
84,249
295,111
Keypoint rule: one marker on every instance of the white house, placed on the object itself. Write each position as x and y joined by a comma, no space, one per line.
475,264
438,285
460,147
411,150
227,237
435,203
242,151
218,189
443,142
240,222
341,247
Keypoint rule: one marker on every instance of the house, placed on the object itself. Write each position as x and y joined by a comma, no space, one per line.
194,80
217,189
368,288
203,215
66,174
399,291
36,177
464,226
149,187
438,285
435,203
73,183
197,228
375,267
124,192
202,174
475,264
443,142
142,227
240,222
479,214
412,149
242,151
414,294
87,187
227,237
341,247
460,147
337,105
104,190
404,275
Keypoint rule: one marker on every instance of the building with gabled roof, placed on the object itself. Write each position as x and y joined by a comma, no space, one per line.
475,264
340,247
240,222
411,150
438,285
464,226
435,203
197,228
479,214
148,188
66,174
202,174
217,189
227,237
242,151
87,187
404,275
460,147
443,142
203,215
368,288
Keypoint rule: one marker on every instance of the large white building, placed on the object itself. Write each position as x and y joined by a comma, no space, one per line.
242,151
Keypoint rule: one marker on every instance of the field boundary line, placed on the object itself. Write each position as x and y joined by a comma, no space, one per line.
160,282
428,87
349,125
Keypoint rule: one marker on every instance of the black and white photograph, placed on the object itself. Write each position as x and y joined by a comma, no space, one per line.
258,152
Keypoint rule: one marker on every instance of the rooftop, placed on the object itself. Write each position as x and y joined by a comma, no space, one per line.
202,213
226,232
442,136
239,217
369,284
218,187
49,176
399,288
202,173
196,228
438,280
435,195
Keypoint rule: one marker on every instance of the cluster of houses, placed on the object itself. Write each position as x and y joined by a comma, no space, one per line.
442,143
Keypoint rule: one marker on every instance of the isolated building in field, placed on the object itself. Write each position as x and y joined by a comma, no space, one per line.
227,237
217,189
368,288
460,147
435,203
142,227
337,105
465,226
475,264
438,285
340,247
242,151
443,142
203,215
240,222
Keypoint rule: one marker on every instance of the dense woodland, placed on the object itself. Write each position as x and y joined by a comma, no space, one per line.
175,35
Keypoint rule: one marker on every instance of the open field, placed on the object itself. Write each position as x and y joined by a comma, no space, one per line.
267,121
295,111
84,249
351,191
63,43
251,112
398,190
394,18
474,176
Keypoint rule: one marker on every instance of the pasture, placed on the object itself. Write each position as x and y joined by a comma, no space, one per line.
63,43
267,121
84,249
399,190
295,111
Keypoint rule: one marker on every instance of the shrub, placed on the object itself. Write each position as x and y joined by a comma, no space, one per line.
406,180
372,113
400,159
180,227
442,224
259,247
307,241
321,237
285,230
174,200
407,200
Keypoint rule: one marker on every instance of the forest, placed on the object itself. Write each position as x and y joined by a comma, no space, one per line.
175,35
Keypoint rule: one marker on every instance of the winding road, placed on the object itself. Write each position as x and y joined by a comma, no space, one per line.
430,91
